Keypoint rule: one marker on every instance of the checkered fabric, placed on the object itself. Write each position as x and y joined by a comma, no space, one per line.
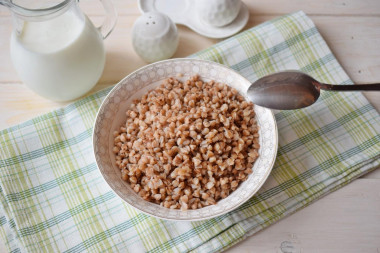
53,198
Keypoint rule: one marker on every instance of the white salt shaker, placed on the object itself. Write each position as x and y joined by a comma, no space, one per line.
218,12
154,37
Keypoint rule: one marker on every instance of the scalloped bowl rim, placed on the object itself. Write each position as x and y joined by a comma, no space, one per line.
96,130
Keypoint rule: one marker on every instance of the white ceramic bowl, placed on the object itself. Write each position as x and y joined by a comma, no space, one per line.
111,116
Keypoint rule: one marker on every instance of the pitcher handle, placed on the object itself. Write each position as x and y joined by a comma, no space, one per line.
110,20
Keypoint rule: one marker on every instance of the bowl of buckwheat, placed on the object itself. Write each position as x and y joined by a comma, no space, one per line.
179,140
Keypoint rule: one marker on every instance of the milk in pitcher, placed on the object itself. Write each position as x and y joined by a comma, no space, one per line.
61,58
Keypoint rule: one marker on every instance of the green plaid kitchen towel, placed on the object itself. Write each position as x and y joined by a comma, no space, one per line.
53,198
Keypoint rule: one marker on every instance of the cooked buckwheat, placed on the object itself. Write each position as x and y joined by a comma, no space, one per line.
187,145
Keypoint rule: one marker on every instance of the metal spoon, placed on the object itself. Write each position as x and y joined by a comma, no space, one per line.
291,90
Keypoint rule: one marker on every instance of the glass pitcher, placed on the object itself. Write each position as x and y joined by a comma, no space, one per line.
55,48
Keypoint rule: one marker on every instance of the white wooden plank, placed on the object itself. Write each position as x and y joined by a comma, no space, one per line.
19,104
347,220
321,7
356,44
373,175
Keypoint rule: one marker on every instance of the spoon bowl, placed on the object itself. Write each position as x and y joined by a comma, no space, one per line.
291,90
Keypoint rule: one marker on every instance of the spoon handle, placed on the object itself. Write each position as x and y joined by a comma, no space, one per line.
350,87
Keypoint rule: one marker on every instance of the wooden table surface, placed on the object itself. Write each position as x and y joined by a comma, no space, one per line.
347,220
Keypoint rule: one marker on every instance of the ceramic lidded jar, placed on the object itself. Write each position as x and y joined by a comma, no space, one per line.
218,12
154,37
